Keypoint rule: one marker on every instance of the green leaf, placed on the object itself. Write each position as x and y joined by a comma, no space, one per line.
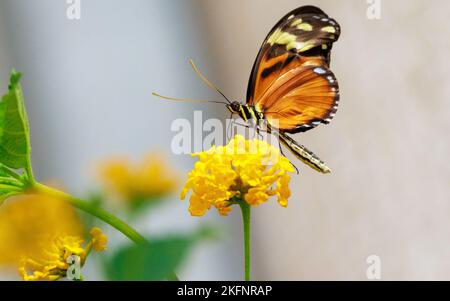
3,172
10,183
155,261
14,129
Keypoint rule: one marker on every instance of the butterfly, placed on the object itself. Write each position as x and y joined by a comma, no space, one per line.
291,87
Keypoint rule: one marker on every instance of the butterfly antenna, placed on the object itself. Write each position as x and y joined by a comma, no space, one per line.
186,100
206,81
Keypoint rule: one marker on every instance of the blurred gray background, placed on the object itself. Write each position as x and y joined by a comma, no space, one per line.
88,87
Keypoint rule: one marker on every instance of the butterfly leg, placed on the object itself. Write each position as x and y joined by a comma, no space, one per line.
258,130
281,149
282,153
254,125
230,127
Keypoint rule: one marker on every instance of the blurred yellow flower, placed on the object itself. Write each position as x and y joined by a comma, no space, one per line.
28,220
38,234
51,260
151,178
248,170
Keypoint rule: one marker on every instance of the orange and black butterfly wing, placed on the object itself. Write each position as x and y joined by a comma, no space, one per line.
301,99
290,80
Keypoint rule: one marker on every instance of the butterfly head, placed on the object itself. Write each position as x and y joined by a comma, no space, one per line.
234,107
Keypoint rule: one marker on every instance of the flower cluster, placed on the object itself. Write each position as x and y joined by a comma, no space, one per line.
244,170
40,233
51,261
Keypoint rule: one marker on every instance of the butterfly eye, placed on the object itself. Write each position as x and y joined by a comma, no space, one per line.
236,106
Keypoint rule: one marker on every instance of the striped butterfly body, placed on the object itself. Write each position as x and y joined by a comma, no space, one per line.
291,86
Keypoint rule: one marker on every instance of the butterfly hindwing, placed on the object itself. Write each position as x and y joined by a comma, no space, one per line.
306,97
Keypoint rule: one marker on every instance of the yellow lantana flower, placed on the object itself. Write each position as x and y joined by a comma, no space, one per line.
151,178
244,170
52,260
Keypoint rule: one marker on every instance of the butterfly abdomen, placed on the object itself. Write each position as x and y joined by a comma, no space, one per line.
303,154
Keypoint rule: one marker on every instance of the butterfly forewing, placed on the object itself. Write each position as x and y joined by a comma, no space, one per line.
291,80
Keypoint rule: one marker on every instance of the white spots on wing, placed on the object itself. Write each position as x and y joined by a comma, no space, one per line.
319,70
290,17
330,79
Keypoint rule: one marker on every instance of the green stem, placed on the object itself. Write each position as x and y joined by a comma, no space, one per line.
99,213
246,215
95,211
29,173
